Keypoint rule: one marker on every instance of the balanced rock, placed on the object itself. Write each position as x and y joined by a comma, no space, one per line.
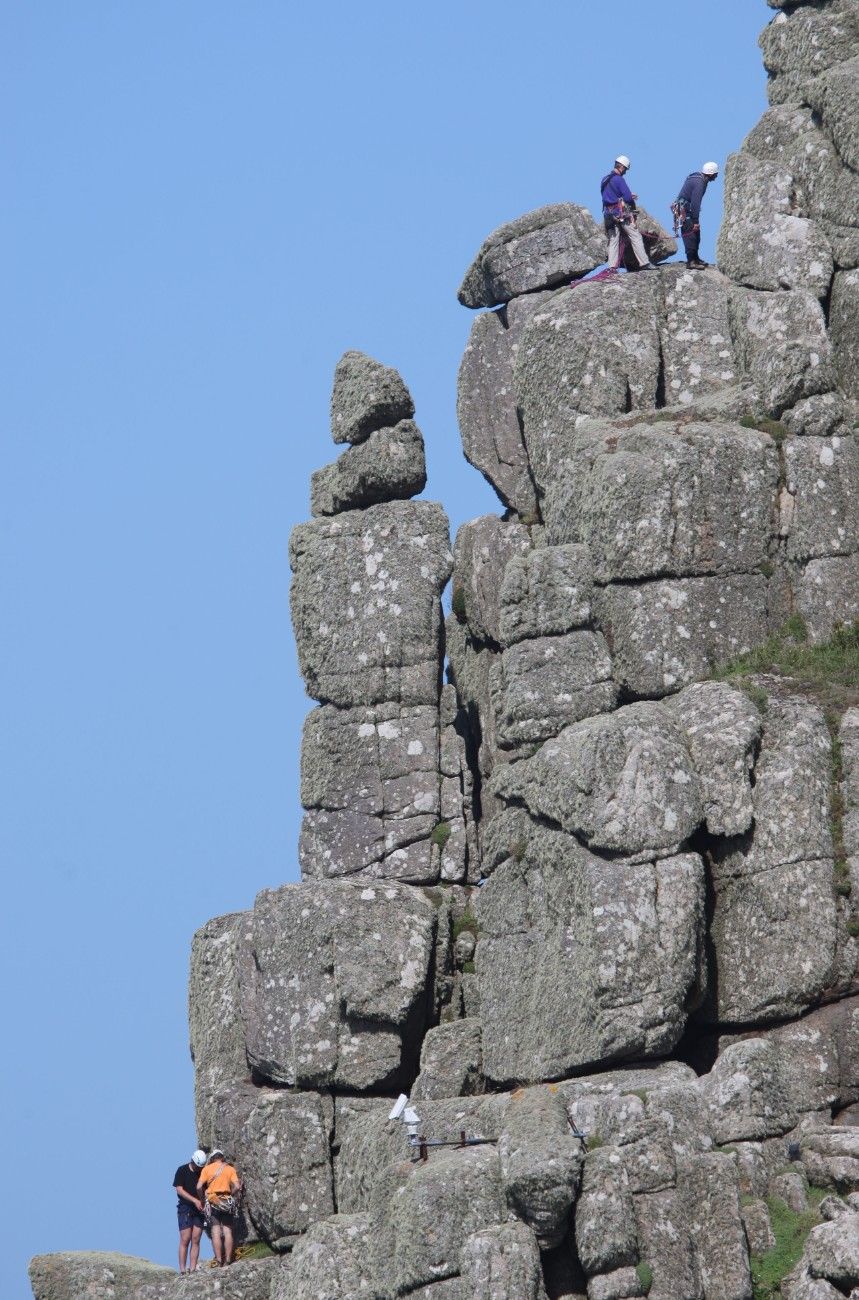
389,466
366,396
539,250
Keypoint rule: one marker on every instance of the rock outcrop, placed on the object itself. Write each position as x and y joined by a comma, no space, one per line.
557,849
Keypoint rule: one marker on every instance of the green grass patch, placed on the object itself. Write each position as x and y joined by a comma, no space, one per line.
774,428
829,672
468,968
593,1142
457,602
440,834
790,1231
645,1277
467,921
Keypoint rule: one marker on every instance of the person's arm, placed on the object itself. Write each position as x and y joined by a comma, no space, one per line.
186,1196
625,192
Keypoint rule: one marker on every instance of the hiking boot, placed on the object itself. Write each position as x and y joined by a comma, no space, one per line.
648,266
697,265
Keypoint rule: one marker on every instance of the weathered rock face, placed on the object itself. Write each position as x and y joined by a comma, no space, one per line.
579,961
333,979
365,603
102,1275
581,851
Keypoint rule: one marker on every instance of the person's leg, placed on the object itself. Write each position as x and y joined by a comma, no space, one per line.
633,234
196,1234
217,1240
184,1242
613,231
691,240
227,1230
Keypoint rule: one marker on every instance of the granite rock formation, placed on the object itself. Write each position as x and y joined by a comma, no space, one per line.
587,896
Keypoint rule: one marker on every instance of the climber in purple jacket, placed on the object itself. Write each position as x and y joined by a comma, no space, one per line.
618,208
688,208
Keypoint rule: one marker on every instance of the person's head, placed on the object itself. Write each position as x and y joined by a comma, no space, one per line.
198,1159
621,164
710,170
216,1154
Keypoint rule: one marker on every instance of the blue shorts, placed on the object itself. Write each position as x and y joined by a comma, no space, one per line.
189,1216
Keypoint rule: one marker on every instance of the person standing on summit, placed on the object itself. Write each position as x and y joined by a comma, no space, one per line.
618,209
687,208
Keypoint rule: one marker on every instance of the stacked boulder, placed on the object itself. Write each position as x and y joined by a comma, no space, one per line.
594,908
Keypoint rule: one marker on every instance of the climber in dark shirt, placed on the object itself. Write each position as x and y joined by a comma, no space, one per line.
691,193
189,1210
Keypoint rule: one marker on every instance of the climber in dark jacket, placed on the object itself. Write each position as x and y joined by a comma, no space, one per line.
692,192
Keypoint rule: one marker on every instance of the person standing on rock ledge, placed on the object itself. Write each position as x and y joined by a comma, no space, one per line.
687,210
618,208
220,1184
189,1211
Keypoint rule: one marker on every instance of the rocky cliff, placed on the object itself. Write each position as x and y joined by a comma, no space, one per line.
580,864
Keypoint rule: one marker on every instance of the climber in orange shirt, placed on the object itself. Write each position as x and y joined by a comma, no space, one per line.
220,1184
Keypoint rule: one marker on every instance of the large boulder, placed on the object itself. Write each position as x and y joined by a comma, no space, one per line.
541,1163
827,593
486,408
330,1262
833,96
502,1263
623,782
774,925
832,1252
370,783
605,1219
722,728
545,592
389,466
695,334
844,327
365,603
97,1275
781,343
762,242
760,1086
482,550
246,1279
539,250
549,682
822,476
669,632
366,396
214,1016
582,960
592,350
334,981
803,44
670,498
423,1214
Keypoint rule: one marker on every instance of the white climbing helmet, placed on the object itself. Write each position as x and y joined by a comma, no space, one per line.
199,1159
622,160
710,169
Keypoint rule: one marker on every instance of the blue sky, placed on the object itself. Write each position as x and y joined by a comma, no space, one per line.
204,205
